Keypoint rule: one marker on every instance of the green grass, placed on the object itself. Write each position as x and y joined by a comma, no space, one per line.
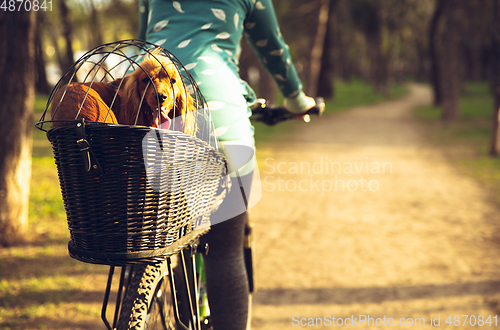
467,139
41,287
356,92
45,196
347,95
474,125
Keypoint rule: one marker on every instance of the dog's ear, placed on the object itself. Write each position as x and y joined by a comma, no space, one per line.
179,111
188,112
117,83
131,99
180,106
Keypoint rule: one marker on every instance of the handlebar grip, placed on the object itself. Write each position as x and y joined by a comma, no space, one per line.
272,115
318,108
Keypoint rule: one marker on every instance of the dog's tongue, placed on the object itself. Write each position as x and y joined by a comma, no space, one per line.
163,117
166,124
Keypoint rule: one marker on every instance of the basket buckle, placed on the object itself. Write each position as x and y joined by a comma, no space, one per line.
89,160
83,144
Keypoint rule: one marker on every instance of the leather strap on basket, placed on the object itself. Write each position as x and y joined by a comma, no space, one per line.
89,160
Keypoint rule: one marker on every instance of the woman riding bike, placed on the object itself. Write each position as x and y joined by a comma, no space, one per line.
205,36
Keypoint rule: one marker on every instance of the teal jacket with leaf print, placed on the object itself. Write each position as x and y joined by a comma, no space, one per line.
205,36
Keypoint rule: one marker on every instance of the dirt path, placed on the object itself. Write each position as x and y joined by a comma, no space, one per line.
360,216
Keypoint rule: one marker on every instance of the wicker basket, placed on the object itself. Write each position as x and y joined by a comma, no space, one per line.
121,215
132,193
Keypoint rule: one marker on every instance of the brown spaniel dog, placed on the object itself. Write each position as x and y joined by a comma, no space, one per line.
153,95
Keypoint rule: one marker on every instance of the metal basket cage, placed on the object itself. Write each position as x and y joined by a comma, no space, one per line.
114,61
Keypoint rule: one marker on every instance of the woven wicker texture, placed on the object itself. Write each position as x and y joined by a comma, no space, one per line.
125,210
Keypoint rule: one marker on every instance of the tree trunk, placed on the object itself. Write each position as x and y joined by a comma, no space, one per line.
344,62
495,134
326,88
450,75
95,26
17,92
42,85
433,52
378,60
318,48
265,87
67,27
473,62
422,70
495,79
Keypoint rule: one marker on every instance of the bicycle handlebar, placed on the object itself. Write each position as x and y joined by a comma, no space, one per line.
271,115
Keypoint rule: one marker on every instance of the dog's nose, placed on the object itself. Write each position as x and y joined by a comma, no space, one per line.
162,97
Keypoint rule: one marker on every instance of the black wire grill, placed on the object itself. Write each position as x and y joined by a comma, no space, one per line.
133,193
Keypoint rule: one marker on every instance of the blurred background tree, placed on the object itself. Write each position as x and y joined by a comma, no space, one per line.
495,77
380,41
17,92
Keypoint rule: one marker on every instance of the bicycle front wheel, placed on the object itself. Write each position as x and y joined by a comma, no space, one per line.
147,303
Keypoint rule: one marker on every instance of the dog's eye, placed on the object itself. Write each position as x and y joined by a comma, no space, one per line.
172,81
145,80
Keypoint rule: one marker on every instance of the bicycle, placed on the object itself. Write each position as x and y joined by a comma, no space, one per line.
269,115
121,214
